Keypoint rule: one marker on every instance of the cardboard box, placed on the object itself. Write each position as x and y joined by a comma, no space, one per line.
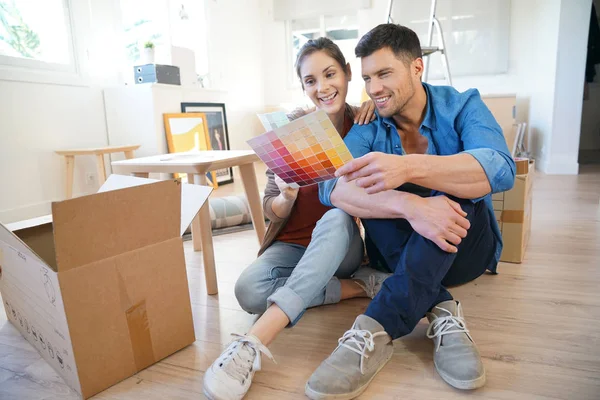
513,212
100,288
522,165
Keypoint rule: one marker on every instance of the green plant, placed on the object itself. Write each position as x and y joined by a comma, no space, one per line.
148,45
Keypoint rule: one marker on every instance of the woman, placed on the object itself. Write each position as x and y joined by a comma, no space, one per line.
310,251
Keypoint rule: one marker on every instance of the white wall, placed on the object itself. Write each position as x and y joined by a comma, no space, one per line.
569,81
38,118
236,63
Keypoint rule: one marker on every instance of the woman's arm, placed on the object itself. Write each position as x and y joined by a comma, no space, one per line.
279,198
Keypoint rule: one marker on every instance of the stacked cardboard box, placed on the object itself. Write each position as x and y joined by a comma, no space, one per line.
513,213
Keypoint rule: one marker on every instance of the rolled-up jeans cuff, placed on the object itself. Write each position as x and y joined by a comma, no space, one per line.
289,302
333,291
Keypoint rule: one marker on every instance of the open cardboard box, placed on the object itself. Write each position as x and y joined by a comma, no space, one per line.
100,288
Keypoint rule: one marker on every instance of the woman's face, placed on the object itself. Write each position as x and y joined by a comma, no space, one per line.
325,82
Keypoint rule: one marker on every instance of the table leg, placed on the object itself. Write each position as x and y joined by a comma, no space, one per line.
196,230
253,195
202,225
70,161
129,155
101,169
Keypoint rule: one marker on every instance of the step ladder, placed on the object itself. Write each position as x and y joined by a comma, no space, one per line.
428,49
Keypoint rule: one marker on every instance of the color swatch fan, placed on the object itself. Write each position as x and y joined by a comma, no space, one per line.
305,151
273,120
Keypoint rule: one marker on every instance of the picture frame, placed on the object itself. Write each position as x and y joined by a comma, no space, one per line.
187,132
218,132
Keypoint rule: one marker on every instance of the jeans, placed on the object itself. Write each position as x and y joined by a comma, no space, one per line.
296,277
421,270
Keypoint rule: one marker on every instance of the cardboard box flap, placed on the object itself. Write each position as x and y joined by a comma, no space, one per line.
92,228
36,233
18,244
192,196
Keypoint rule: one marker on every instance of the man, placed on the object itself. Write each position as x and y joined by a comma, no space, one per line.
421,182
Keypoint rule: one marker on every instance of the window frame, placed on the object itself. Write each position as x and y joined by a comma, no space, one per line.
38,71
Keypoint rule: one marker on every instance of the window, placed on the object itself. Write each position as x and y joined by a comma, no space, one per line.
36,34
166,23
341,29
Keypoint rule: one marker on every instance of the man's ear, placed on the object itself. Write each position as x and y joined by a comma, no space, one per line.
348,72
417,67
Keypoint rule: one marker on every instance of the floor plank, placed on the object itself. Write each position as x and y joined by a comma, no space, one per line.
537,324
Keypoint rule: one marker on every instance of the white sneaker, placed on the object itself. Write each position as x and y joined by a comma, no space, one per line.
230,376
370,279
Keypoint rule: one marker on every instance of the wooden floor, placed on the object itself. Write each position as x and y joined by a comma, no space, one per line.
537,324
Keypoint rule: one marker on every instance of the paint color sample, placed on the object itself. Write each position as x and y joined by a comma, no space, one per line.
305,151
273,120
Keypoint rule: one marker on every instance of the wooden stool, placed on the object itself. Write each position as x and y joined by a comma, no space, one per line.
99,152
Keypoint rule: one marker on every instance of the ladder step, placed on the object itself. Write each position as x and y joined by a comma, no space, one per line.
427,50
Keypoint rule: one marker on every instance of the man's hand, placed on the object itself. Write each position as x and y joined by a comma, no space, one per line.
440,220
376,172
366,113
287,192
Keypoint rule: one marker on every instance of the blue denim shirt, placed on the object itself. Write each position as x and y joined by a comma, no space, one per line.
454,123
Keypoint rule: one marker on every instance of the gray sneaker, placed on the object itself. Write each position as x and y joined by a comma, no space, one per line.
362,352
455,355
370,279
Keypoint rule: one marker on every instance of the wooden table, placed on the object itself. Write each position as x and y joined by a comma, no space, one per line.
99,152
196,165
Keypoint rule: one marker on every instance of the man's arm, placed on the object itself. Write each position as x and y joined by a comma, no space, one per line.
356,202
484,166
460,175
347,196
436,218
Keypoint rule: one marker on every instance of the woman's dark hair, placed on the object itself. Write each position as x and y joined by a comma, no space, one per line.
403,41
320,44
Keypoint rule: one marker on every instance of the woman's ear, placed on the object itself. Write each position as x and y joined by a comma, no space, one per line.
348,72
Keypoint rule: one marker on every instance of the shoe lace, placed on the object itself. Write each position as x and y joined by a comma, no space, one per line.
363,340
240,367
446,325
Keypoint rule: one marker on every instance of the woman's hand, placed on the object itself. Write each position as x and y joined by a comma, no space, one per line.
366,113
287,192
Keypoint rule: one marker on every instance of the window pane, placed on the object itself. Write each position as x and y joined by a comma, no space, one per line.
302,31
34,29
341,27
343,31
189,30
143,22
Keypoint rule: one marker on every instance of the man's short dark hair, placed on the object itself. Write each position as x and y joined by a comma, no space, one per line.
403,41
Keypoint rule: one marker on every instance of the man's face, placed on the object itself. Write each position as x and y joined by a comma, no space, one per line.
389,81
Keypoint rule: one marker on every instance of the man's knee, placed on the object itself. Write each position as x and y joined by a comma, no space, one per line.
249,296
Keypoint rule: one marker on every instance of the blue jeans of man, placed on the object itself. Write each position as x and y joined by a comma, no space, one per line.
421,270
